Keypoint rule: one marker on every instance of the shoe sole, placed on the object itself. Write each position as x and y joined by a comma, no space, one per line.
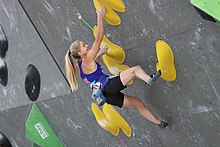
157,75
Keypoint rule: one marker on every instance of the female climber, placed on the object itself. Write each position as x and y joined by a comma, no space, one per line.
87,64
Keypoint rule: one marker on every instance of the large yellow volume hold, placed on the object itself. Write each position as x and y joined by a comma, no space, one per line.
114,51
116,5
111,17
103,121
165,59
114,67
116,119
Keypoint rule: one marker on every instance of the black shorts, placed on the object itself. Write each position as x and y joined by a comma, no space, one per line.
112,91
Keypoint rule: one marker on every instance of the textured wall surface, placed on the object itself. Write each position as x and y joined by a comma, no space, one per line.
40,32
26,47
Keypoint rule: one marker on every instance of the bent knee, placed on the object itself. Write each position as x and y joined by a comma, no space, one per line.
136,67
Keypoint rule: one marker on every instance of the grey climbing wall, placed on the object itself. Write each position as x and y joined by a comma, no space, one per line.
58,25
26,47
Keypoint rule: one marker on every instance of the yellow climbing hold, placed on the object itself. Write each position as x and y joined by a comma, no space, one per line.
165,59
114,50
111,17
110,120
103,121
113,66
116,5
116,119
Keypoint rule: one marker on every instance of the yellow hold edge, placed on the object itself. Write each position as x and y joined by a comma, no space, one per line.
165,59
114,51
114,67
116,5
111,16
103,121
116,119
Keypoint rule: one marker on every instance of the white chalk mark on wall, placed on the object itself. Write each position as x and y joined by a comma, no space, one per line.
72,124
213,87
201,109
152,8
49,8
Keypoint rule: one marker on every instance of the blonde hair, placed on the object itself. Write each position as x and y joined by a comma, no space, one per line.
70,68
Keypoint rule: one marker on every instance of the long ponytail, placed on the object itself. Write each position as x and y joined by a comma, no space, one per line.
70,69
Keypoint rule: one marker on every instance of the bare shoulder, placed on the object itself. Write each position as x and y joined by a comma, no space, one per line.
89,66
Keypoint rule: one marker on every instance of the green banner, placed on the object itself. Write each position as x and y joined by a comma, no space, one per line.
39,131
211,7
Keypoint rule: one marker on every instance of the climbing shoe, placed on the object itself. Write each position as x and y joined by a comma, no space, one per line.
163,124
153,77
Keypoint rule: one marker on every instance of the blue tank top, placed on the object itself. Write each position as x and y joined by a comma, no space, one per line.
97,76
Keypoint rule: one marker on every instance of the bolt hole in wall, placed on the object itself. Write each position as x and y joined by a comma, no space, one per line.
4,142
3,50
32,83
3,43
